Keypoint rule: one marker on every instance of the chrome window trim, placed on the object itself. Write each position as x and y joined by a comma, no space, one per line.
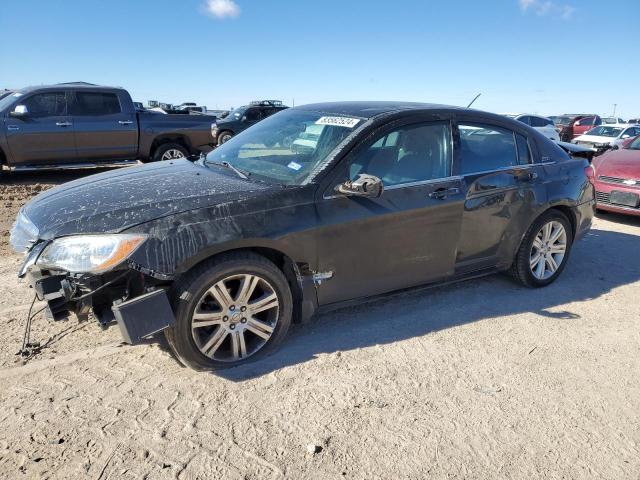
425,182
406,185
514,167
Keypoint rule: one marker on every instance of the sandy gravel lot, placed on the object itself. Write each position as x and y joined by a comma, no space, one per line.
481,380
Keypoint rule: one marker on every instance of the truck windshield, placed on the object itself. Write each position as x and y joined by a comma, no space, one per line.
8,100
287,147
605,131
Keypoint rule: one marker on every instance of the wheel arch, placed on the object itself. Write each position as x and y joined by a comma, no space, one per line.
565,209
302,290
177,138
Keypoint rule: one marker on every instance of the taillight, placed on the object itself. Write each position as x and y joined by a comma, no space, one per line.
590,172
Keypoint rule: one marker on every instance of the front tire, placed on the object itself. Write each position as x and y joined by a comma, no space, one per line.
544,250
224,137
232,310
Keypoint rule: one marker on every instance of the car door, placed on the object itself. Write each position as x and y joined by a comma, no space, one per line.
585,124
44,135
500,187
405,237
104,129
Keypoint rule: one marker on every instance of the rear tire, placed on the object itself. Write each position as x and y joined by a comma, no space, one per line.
231,310
170,151
541,257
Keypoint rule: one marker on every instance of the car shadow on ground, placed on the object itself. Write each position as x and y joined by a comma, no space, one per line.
631,220
599,263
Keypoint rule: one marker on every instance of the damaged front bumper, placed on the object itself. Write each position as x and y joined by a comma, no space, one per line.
138,305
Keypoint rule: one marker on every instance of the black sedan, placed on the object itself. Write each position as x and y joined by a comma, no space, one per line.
223,255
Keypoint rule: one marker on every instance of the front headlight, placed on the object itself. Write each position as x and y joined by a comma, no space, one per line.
89,253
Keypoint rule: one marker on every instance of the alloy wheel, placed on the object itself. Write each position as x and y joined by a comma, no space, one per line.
548,250
172,154
235,317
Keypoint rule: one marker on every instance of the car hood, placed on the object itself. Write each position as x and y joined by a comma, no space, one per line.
114,201
594,139
620,164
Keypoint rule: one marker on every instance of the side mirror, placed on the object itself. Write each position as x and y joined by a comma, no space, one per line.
363,186
626,135
19,111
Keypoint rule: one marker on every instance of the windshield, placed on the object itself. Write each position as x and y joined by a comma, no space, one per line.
635,144
237,113
605,131
8,100
286,147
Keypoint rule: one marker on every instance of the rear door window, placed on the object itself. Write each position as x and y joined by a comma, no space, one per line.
50,104
95,104
484,148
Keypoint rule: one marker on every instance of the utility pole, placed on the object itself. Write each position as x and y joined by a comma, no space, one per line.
615,105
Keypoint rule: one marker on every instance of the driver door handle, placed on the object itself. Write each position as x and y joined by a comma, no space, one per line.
64,124
125,122
442,193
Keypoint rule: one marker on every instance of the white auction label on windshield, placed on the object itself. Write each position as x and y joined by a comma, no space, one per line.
338,121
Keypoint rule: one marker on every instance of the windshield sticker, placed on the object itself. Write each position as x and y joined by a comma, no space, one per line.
294,166
338,121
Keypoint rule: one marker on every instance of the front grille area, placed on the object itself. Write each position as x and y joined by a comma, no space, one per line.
619,181
602,197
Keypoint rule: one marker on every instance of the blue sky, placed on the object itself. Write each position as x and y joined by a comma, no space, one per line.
540,56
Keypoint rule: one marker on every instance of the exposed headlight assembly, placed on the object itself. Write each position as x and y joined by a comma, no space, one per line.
89,253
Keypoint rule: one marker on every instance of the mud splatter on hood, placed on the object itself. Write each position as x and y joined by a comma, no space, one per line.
116,200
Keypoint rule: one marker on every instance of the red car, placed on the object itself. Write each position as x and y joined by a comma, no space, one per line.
617,179
571,125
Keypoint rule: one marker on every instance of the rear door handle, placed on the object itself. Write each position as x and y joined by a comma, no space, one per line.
64,124
526,176
442,193
125,122
13,128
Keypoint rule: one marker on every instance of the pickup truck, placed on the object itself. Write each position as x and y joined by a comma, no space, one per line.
78,124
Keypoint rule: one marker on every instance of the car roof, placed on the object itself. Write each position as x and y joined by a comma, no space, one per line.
75,85
372,109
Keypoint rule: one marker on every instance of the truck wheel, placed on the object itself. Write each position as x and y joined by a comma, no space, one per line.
544,251
224,137
232,310
170,151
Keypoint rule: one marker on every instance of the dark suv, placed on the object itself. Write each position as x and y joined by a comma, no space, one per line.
243,117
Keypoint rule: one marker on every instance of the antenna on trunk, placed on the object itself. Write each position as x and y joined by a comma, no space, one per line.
474,99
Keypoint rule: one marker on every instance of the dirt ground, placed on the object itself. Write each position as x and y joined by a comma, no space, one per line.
481,380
